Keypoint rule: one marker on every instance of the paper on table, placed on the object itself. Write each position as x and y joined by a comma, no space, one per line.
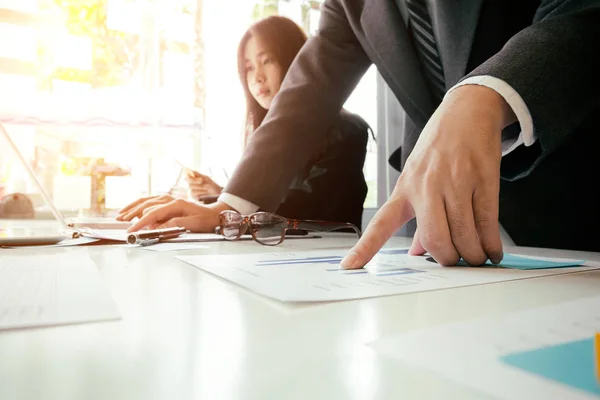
213,237
120,235
65,243
75,242
168,246
525,263
543,353
570,363
115,235
315,275
196,238
51,289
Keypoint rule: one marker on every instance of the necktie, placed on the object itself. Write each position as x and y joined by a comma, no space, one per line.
424,40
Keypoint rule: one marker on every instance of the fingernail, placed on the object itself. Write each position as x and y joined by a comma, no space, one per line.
350,261
496,259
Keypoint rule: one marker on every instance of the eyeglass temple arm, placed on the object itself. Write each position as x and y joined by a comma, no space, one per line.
322,226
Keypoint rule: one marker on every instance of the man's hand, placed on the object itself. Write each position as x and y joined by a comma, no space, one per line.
181,213
450,183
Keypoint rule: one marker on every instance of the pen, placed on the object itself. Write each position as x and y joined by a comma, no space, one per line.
148,242
159,234
175,186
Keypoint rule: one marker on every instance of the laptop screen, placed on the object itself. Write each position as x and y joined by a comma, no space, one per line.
39,183
22,197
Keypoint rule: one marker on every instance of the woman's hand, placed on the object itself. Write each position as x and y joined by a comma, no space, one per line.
181,213
201,185
139,207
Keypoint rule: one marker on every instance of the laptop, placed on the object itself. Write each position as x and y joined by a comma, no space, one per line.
67,223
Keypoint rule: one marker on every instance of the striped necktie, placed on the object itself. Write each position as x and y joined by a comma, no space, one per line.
424,40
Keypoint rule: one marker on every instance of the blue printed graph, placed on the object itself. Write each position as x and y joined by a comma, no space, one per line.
397,271
320,259
335,260
393,251
383,272
571,364
307,260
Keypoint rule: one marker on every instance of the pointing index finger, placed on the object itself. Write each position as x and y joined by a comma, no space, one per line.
390,217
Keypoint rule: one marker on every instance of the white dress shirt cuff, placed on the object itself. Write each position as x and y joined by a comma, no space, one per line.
514,100
242,206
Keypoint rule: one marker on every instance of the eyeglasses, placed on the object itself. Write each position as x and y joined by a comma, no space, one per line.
269,229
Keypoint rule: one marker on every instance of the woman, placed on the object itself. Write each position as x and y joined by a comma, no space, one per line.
331,186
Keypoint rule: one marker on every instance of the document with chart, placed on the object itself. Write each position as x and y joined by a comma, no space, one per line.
550,353
51,289
315,275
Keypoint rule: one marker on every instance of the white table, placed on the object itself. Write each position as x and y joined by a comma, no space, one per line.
186,334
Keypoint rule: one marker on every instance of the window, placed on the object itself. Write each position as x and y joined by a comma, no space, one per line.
101,93
112,96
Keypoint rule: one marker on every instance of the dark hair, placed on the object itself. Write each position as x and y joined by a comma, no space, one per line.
284,39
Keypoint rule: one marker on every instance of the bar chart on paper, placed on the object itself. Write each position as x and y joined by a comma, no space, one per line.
545,353
315,275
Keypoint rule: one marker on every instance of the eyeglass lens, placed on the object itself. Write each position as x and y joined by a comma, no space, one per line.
267,228
232,225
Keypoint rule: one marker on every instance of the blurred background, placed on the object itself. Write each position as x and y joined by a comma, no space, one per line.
107,98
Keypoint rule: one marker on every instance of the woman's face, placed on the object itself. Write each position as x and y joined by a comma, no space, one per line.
263,72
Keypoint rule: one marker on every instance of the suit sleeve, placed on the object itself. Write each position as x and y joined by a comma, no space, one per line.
319,81
554,65
335,188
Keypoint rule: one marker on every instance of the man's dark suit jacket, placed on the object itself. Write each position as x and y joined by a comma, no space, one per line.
548,51
332,187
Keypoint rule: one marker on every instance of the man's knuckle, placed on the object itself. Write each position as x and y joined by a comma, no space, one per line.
476,260
447,259
484,223
432,241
